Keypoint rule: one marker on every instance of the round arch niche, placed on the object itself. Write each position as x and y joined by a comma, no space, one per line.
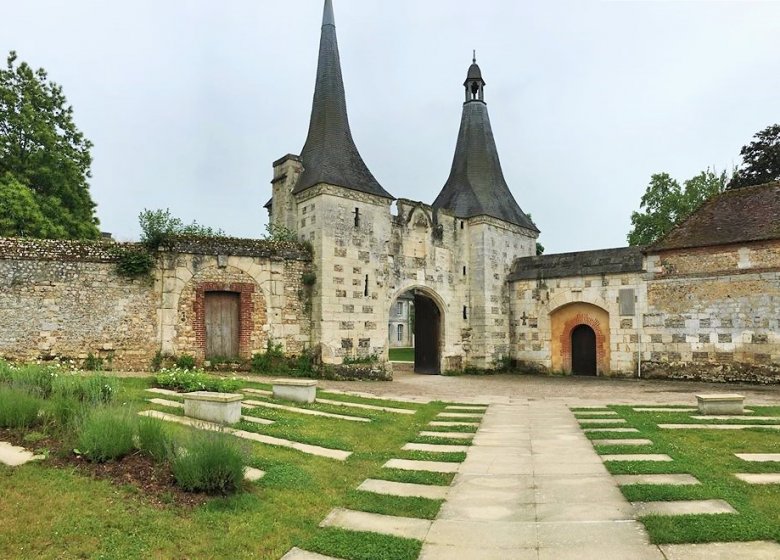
573,323
419,313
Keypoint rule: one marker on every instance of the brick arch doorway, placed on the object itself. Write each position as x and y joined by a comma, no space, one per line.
425,322
583,351
564,321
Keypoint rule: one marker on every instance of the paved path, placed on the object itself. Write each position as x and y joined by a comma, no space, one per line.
532,487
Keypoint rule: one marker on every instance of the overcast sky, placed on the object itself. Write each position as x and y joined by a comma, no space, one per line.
189,102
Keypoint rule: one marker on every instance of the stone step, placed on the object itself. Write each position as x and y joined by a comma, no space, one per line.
447,435
718,426
367,406
759,457
652,457
600,421
595,413
256,420
405,527
404,489
687,507
656,479
388,397
306,411
615,430
428,466
753,550
446,424
435,448
261,392
622,442
16,456
300,554
166,392
476,407
759,478
336,454
735,417
166,403
664,409
464,415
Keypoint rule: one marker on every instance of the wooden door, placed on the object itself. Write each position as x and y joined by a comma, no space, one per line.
427,334
222,324
583,351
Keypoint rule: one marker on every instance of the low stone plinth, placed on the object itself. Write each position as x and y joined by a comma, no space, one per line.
721,404
224,408
297,390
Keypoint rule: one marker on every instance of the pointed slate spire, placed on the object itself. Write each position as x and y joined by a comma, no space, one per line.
476,185
330,155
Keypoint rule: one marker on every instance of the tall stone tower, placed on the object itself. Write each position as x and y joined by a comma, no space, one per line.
497,230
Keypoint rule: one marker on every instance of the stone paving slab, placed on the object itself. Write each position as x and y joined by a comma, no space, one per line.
309,412
479,408
599,534
595,413
435,448
717,426
615,430
447,435
683,507
448,424
428,466
404,489
466,415
256,420
755,550
747,418
600,421
663,409
622,442
261,392
253,475
597,552
166,392
166,403
16,456
368,406
759,457
491,534
759,478
444,552
300,554
652,457
405,527
337,454
661,479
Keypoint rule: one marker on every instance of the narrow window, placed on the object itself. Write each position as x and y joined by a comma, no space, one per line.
400,333
399,308
357,217
465,312
464,271
365,290
461,225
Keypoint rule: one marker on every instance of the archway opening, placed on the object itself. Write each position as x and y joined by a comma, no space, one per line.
583,351
415,332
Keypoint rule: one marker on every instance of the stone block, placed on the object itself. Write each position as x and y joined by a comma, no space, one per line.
721,404
223,408
297,390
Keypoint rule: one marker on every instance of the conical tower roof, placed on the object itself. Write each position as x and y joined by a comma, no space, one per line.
476,185
330,155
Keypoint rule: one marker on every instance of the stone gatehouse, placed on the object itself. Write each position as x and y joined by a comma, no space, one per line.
703,302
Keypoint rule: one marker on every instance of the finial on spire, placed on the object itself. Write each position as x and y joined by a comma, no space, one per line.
474,59
327,16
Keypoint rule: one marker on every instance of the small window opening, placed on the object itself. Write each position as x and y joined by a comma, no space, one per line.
461,225
365,290
465,312
464,271
357,217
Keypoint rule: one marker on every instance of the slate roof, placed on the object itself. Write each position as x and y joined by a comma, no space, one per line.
583,263
476,185
735,216
330,155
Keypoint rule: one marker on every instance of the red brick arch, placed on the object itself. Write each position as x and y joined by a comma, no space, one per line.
586,314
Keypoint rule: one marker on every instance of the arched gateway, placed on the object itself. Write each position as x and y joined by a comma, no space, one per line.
425,322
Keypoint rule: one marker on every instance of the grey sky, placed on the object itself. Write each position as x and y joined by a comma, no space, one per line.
189,102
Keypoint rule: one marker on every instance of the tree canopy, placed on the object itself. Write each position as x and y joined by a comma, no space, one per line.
760,159
44,159
666,203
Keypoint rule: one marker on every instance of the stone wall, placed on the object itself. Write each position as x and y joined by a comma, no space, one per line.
64,300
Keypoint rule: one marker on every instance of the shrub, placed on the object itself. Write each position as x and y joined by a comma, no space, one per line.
185,361
18,409
157,361
272,360
154,440
185,380
62,410
134,262
211,463
36,380
361,360
93,363
94,389
106,434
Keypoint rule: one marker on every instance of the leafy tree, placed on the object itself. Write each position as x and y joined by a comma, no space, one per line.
159,226
760,159
666,204
20,215
41,148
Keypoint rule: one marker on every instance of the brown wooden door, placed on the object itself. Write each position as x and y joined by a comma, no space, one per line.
222,325
427,334
583,351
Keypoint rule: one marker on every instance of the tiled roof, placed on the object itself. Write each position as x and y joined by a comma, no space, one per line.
583,263
735,216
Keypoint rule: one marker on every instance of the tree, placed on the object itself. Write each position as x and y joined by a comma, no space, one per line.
44,152
666,204
20,215
158,227
760,159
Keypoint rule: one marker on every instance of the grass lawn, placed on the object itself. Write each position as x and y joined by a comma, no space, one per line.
53,512
401,354
709,456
